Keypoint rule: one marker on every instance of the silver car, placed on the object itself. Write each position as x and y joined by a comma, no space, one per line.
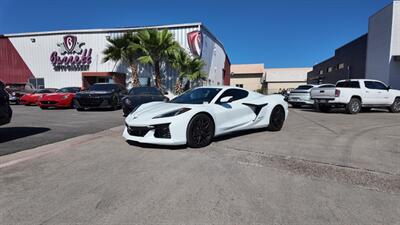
302,94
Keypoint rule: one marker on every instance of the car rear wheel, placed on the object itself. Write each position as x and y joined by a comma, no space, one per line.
296,105
395,107
200,131
354,106
276,119
44,107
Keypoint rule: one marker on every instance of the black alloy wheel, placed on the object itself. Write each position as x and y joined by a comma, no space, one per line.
200,131
354,106
276,119
395,107
115,102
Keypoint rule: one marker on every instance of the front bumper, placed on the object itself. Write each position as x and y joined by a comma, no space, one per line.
94,103
177,130
57,103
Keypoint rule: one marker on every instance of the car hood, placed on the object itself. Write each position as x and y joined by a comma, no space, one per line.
150,110
55,95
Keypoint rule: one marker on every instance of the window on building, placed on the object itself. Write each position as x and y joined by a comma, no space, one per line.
330,69
239,85
321,72
340,66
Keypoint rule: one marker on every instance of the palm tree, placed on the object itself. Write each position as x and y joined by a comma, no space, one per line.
156,47
180,63
191,68
118,49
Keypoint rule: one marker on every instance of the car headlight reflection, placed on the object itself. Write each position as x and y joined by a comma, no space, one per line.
172,113
64,97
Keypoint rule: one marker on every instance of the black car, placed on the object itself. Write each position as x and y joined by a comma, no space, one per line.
5,110
141,95
100,95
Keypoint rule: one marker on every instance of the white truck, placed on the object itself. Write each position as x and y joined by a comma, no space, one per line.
356,95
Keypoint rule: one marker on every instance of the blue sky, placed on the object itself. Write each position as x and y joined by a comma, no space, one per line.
279,33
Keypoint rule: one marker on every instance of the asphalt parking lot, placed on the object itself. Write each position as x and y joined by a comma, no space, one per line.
322,168
31,126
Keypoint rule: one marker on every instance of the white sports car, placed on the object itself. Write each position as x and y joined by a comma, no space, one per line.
197,116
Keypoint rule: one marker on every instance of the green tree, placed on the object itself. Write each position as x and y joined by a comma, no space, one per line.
118,49
187,67
156,47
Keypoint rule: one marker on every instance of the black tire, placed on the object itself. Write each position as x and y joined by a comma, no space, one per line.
395,107
44,107
114,102
366,109
200,131
276,119
80,109
324,108
354,106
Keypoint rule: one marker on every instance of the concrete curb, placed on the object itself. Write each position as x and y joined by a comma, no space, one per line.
12,159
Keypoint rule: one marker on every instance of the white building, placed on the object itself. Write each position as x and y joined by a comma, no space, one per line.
58,59
383,51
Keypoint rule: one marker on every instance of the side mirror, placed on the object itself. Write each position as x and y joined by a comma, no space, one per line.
388,88
226,99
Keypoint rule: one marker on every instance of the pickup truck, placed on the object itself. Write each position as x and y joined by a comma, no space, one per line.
356,95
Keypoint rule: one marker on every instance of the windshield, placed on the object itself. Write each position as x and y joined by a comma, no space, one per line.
68,90
144,91
197,96
304,87
103,87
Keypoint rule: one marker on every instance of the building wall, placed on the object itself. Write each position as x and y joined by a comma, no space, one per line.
353,57
379,42
394,79
36,55
279,79
249,81
273,88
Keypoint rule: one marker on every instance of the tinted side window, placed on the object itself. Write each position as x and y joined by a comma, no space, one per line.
235,93
348,84
375,85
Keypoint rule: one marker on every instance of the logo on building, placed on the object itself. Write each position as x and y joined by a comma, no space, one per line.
195,41
71,55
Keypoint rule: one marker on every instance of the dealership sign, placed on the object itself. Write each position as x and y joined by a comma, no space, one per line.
71,56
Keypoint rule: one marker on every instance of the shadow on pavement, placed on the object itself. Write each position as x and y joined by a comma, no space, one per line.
12,133
166,147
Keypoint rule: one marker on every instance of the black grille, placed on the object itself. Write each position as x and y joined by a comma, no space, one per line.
162,131
90,101
138,131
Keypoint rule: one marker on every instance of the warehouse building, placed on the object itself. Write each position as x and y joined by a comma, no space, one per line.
58,59
375,55
267,80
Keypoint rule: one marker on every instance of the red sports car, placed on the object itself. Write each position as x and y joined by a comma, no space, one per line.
61,99
32,98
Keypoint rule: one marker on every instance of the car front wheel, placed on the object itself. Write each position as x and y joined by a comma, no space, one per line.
276,119
200,131
395,107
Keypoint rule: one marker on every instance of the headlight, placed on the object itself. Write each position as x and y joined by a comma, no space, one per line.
128,101
172,113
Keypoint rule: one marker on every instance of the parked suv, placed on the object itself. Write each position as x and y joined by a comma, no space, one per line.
302,95
357,94
5,110
17,90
